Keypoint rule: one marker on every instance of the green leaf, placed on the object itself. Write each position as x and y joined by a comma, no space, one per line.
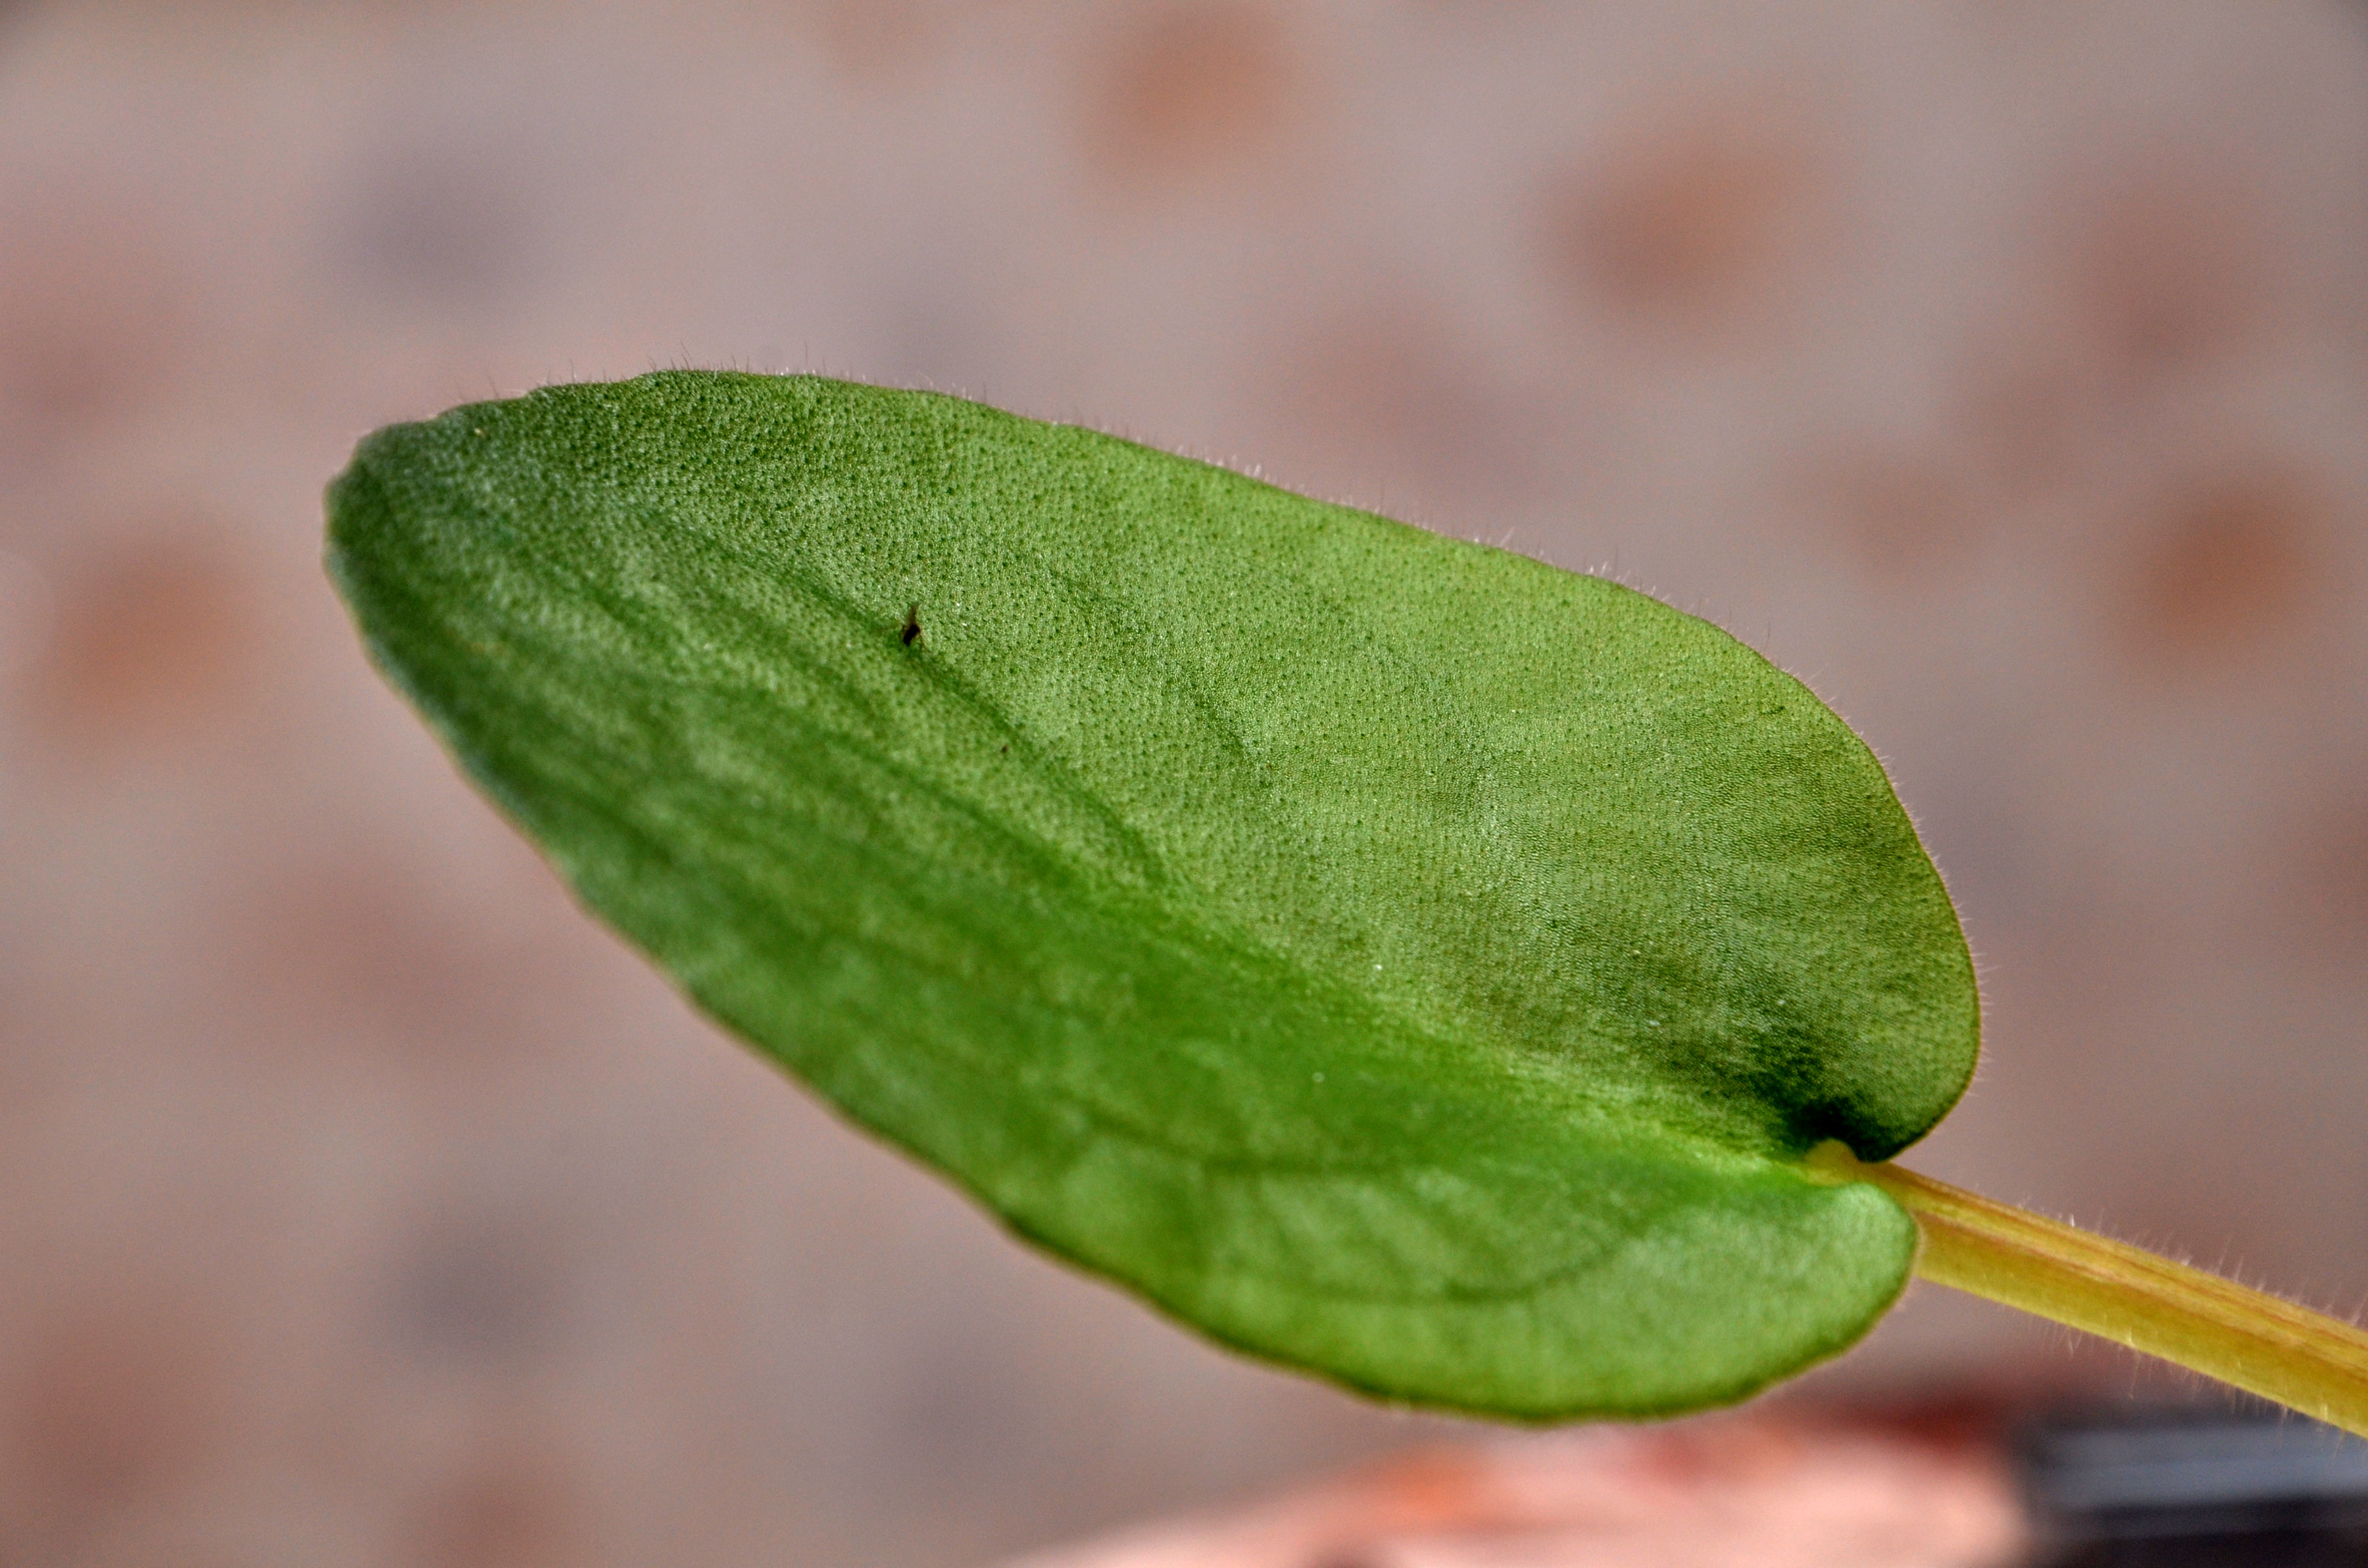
1395,955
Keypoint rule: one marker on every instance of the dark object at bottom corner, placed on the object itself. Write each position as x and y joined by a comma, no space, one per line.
2179,1488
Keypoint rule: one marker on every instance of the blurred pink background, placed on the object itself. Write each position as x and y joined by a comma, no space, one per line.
2000,368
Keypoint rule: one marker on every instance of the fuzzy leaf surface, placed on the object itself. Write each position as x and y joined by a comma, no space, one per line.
1396,956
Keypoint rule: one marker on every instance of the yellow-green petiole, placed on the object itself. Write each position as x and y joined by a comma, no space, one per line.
2306,1360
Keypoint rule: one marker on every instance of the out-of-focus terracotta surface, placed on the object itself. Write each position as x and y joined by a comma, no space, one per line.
1765,1493
2002,369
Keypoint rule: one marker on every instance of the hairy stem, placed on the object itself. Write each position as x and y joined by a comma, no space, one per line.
2311,1362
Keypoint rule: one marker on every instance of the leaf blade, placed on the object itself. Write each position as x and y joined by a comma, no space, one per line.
1154,852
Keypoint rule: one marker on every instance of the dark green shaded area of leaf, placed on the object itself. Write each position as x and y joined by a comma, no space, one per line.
1395,955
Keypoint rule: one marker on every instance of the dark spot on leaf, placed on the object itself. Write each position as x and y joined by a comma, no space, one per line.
911,631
